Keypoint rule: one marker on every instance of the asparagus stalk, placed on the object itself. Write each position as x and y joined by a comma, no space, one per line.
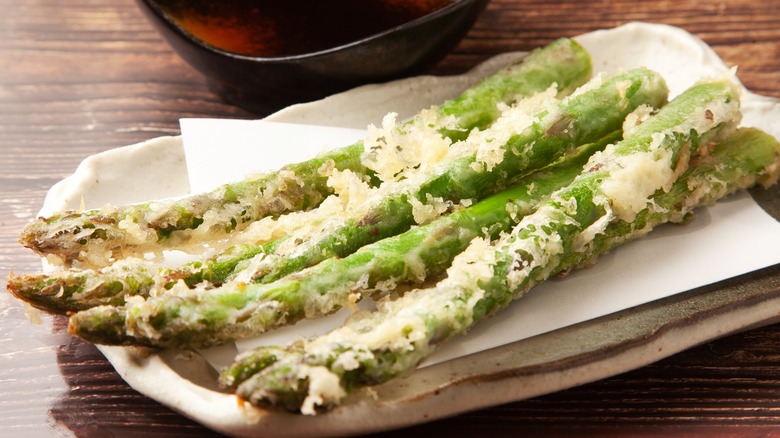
198,318
95,237
577,224
72,290
414,256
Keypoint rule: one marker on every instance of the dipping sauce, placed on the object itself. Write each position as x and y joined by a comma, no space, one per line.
274,28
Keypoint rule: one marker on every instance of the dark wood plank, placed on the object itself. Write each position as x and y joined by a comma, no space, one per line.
84,76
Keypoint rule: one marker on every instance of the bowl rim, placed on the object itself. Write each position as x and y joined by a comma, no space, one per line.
153,6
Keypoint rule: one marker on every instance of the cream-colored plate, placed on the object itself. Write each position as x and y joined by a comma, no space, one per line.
567,357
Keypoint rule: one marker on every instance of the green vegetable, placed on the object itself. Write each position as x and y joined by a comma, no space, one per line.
74,290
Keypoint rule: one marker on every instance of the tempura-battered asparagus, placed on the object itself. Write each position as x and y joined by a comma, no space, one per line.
621,195
93,238
74,290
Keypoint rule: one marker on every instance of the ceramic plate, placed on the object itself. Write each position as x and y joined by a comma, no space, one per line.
548,362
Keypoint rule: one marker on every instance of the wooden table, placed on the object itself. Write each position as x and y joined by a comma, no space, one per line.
83,76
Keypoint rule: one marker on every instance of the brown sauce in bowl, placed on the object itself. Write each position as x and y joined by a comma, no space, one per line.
275,28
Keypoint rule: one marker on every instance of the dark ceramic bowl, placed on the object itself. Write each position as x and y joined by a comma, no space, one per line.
263,85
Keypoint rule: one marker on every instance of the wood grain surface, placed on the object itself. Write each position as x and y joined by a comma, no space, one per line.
83,76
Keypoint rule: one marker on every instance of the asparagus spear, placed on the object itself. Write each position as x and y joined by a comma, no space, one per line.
94,237
72,290
197,318
414,256
577,224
